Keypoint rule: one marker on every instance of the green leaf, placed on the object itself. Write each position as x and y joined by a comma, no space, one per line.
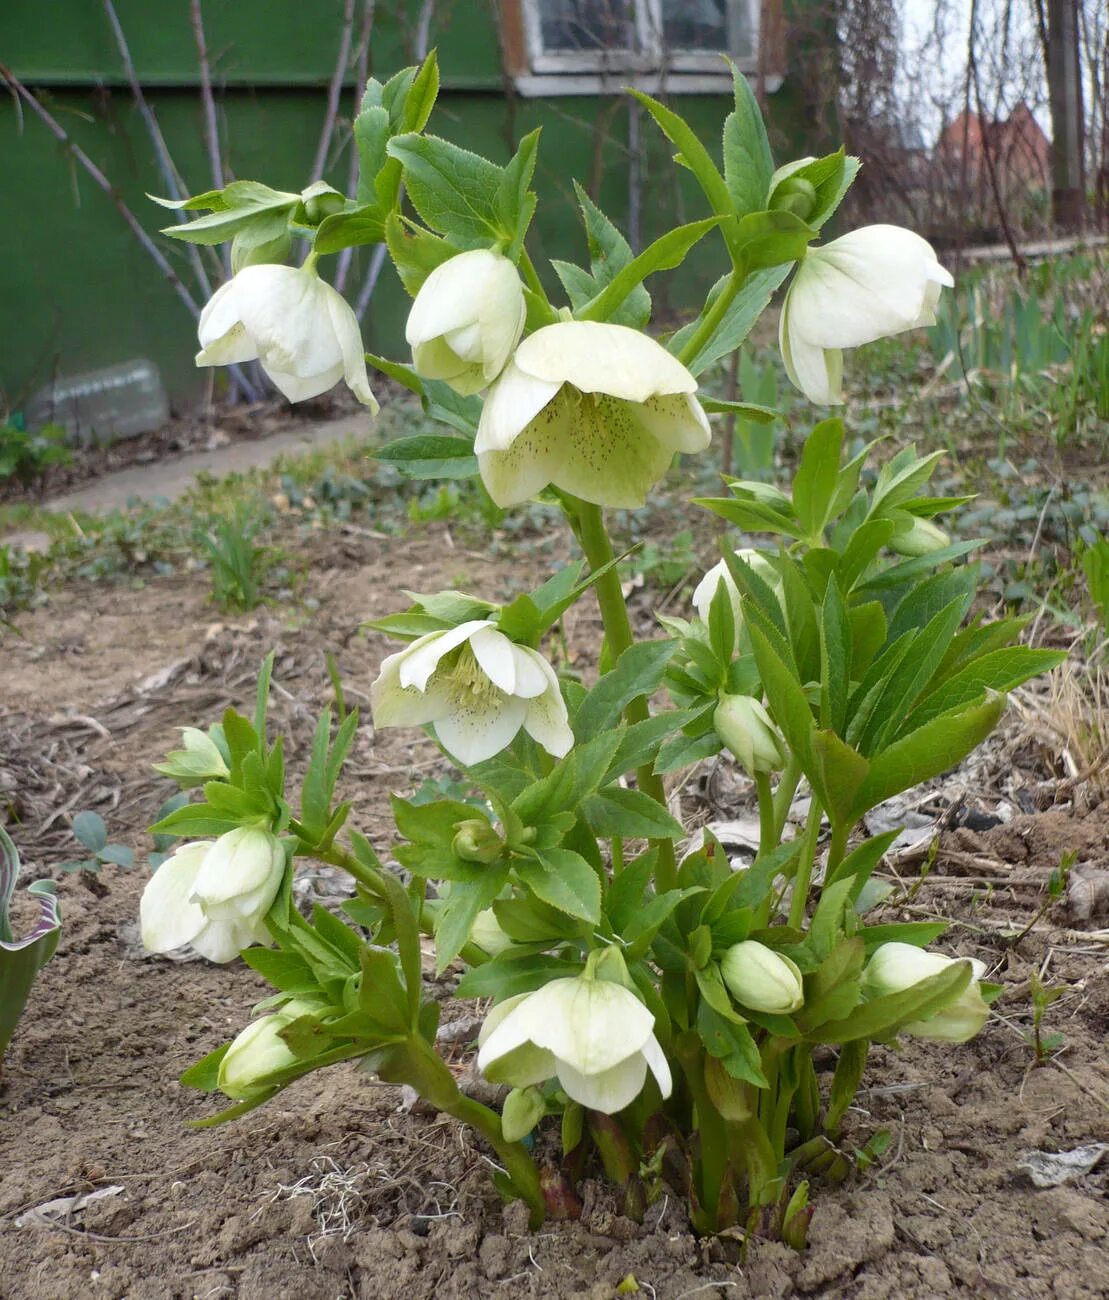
769,239
564,880
832,991
934,748
665,253
89,828
415,253
815,481
881,1017
691,153
737,322
638,671
284,970
456,917
362,225
204,1075
22,959
748,165
919,933
516,205
631,814
998,670
505,977
730,1041
421,95
837,772
241,204
118,854
684,750
788,702
430,456
835,659
454,191
197,819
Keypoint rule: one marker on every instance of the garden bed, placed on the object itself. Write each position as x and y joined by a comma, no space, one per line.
337,1188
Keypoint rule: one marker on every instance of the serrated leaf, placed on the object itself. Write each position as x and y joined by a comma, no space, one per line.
630,814
564,880
431,456
748,165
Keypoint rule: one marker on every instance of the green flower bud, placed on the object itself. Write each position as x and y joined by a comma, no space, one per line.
762,979
200,760
744,725
321,201
922,538
257,1052
523,1108
796,195
476,841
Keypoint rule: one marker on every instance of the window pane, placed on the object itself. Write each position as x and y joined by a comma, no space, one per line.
587,24
707,25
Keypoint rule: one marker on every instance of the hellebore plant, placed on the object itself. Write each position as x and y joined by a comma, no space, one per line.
655,1002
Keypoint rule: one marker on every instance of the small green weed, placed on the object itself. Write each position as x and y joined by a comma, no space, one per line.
27,456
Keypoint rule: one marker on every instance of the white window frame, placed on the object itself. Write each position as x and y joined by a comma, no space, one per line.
651,67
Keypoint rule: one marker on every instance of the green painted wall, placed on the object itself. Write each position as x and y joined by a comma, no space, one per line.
76,289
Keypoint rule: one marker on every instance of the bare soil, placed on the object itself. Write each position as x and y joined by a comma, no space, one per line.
336,1190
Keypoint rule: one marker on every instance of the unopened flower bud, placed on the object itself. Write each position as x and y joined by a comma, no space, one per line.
762,979
895,967
200,760
523,1108
744,725
923,538
795,194
257,1052
325,203
476,841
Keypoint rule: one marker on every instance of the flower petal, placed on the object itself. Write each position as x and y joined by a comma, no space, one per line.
448,298
678,422
598,357
611,459
222,941
512,404
608,1090
534,674
591,1024
168,918
423,656
394,705
547,721
479,726
659,1065
816,372
222,336
496,657
348,334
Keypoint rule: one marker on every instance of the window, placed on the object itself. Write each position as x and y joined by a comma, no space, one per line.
577,46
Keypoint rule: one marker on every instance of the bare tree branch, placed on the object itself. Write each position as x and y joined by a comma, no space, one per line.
334,90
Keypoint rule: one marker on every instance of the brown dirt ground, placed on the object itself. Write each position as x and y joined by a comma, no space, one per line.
333,1190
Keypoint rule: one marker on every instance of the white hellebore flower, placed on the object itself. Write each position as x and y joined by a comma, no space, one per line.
744,725
898,966
467,318
762,979
866,285
593,1034
705,590
596,409
305,334
477,688
214,894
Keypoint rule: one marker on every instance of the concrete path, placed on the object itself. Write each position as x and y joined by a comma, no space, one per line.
174,478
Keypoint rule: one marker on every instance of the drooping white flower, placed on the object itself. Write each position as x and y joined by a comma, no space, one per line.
214,894
599,410
477,688
898,966
744,725
594,1035
762,979
705,590
257,1051
467,317
867,285
305,334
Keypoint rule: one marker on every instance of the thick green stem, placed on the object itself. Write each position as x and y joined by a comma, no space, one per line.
803,878
597,545
716,314
783,796
416,1063
768,838
710,1125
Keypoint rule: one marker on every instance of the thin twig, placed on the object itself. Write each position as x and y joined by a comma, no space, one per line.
207,99
79,156
334,89
361,75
